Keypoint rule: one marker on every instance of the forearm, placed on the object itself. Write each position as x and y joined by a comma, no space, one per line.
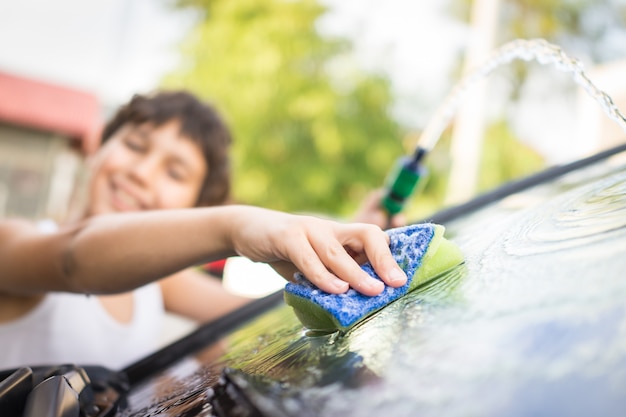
123,251
119,252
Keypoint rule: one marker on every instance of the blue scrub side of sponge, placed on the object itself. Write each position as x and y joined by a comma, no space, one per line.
408,245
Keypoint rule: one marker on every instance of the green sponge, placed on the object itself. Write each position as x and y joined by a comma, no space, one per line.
422,252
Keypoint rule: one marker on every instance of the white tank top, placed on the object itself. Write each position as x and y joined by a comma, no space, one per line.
75,328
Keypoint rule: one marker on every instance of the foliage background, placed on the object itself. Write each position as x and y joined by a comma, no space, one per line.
313,131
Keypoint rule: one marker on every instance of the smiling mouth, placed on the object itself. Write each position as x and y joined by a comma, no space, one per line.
124,201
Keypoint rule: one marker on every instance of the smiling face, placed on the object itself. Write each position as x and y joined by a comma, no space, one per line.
143,167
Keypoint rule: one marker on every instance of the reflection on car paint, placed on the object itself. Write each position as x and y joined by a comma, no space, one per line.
534,323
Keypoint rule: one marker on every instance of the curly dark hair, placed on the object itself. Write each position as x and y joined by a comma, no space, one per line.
198,121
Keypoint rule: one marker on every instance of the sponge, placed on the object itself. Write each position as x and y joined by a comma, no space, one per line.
421,251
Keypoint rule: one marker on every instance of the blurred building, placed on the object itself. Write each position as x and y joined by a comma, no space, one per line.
45,130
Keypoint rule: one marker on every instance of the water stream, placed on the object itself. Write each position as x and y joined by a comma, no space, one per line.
538,50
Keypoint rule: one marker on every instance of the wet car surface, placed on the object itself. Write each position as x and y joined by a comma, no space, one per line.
532,324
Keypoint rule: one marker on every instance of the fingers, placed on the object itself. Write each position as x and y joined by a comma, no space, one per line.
339,261
330,265
374,243
326,252
319,275
310,264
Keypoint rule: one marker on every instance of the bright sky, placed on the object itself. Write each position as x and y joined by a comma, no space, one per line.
117,47
414,42
110,47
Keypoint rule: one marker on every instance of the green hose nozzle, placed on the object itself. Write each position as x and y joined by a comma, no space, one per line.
402,182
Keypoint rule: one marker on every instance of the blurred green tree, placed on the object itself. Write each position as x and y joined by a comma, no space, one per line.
312,131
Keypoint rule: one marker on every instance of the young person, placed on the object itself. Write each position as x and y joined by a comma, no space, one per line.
93,289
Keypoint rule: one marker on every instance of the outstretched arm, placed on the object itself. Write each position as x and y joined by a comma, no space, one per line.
119,252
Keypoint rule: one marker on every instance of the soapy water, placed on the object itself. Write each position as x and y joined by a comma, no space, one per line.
534,322
538,50
578,218
536,325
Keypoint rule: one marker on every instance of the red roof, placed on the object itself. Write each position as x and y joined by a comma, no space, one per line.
50,107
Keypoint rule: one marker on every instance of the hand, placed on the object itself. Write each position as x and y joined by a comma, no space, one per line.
326,252
371,211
